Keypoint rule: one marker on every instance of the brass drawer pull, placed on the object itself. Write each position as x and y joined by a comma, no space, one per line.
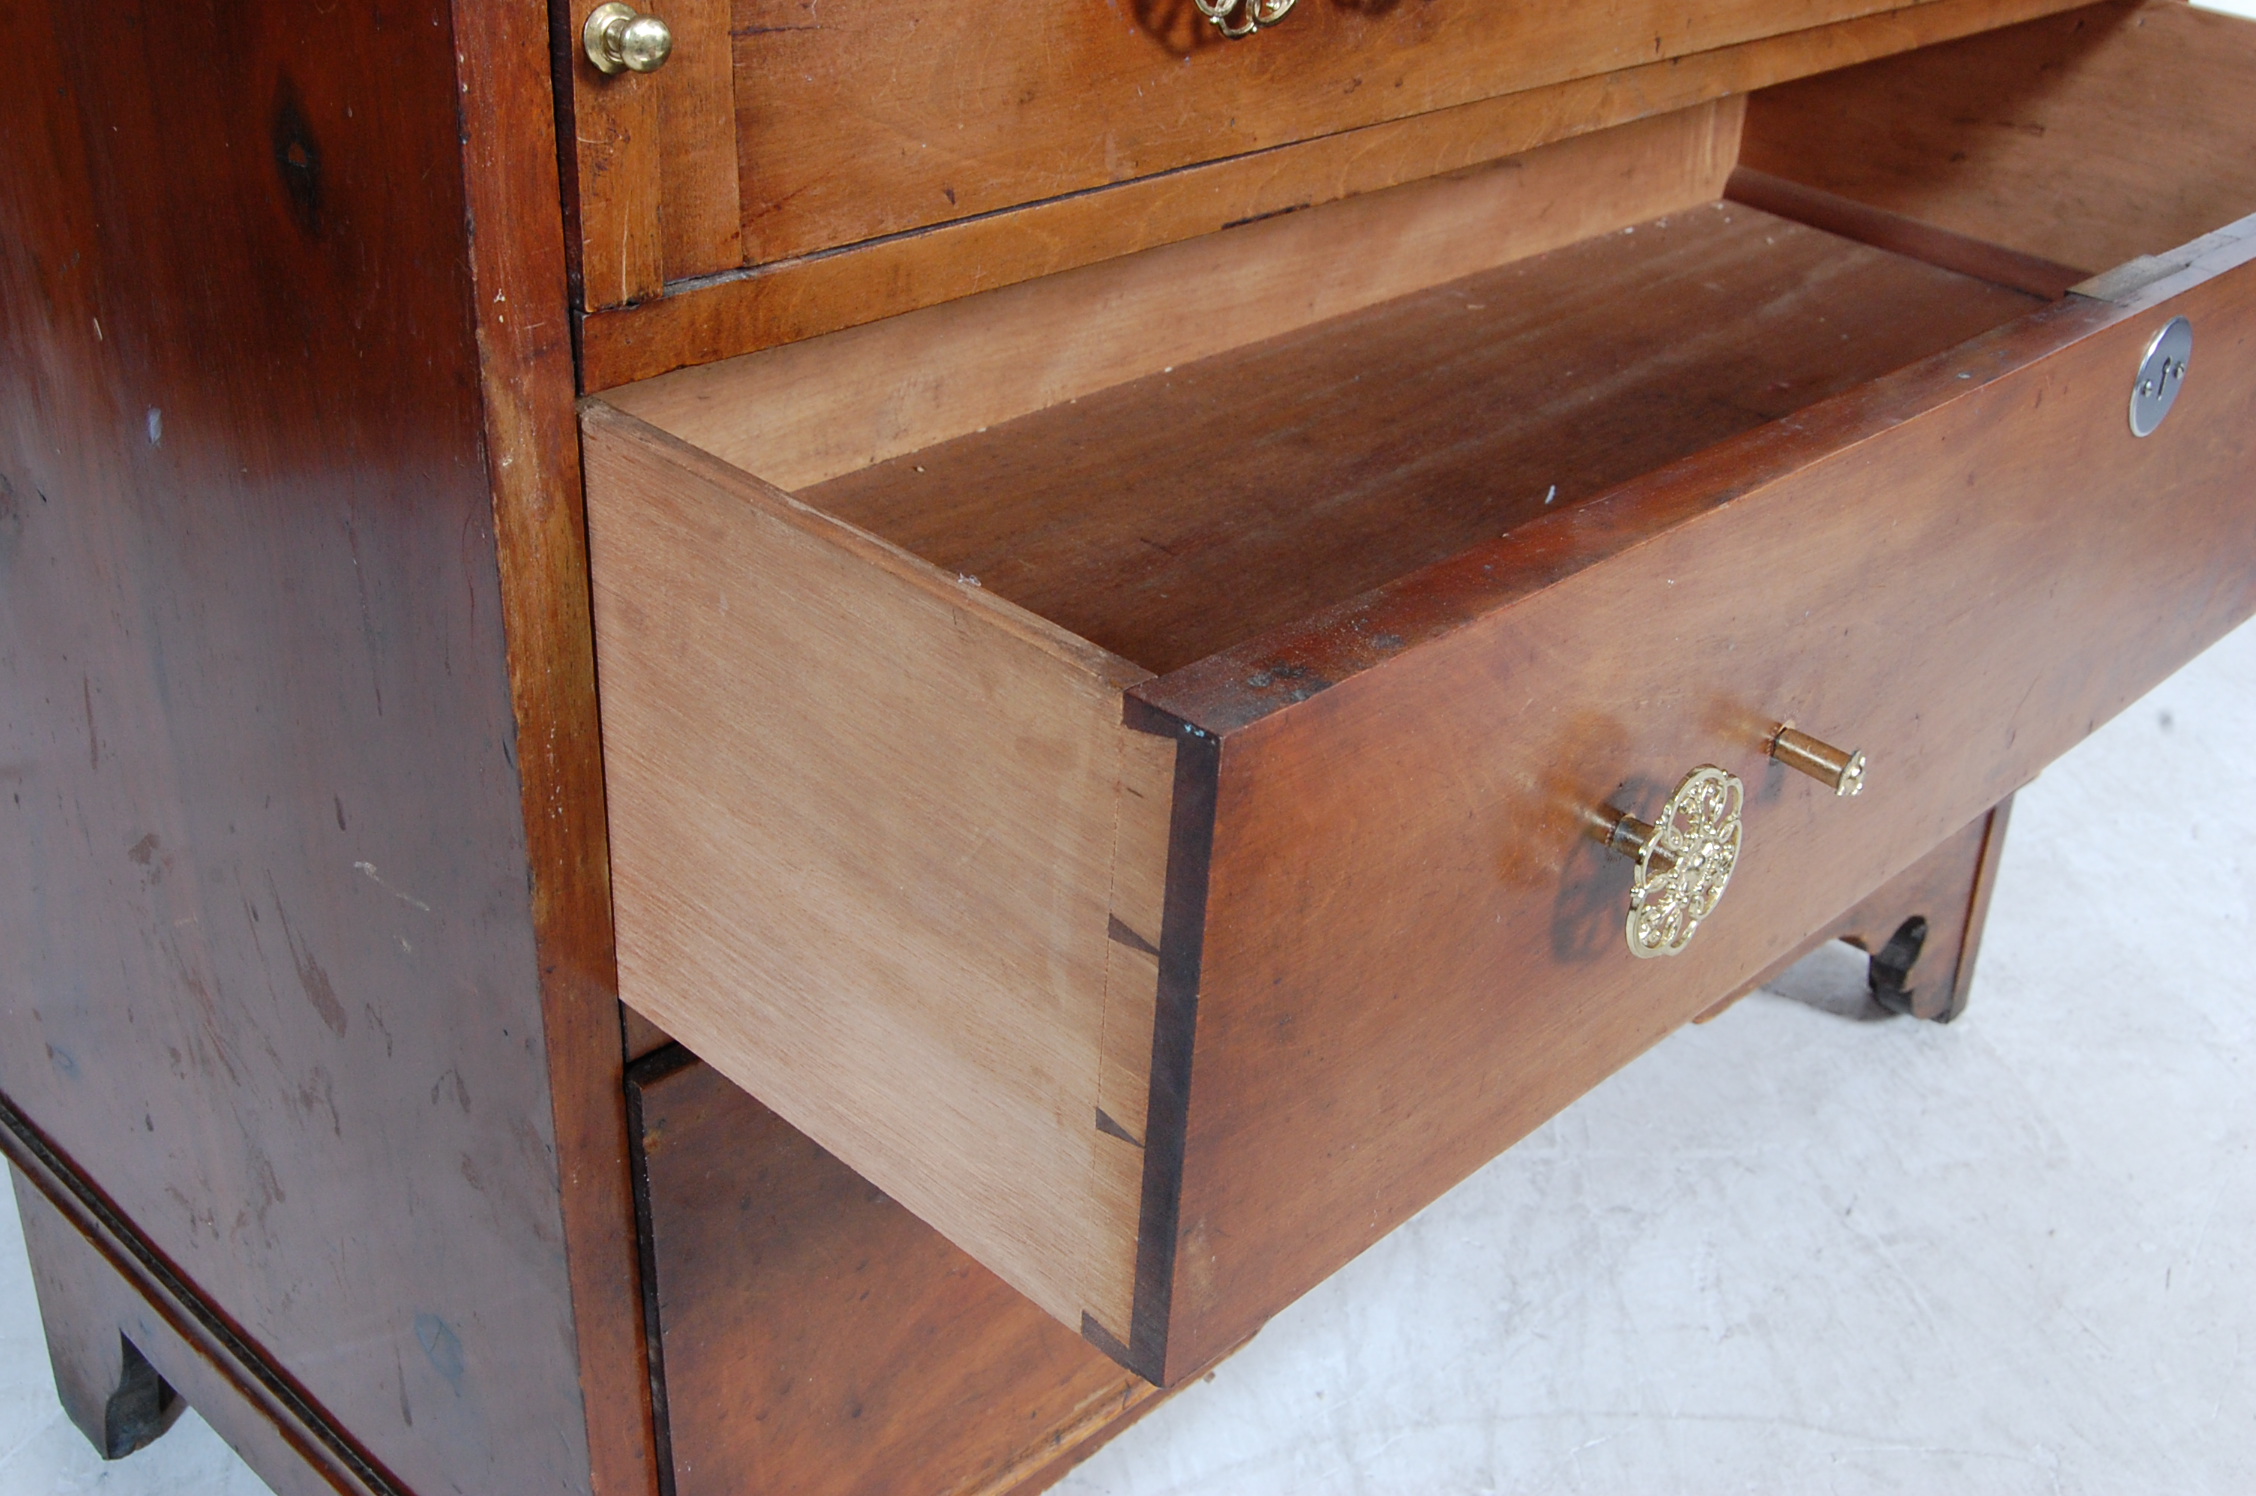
618,37
1839,770
1236,18
1684,859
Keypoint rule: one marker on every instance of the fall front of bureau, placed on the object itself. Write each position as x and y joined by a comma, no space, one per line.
1162,624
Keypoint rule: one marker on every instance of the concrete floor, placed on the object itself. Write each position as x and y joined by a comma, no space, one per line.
1800,1249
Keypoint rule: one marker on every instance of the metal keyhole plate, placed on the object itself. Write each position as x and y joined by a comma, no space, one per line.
2161,376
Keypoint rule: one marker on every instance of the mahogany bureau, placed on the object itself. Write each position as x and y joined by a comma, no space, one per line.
764,751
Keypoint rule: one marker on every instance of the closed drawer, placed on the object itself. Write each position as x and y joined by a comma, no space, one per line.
780,129
874,118
1111,760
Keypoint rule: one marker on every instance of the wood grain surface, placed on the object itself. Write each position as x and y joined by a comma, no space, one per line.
1179,515
821,1340
864,818
274,971
808,412
872,120
530,453
2087,138
715,317
611,145
1413,953
1943,998
1900,235
700,219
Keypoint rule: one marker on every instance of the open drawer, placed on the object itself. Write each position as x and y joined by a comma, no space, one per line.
1114,759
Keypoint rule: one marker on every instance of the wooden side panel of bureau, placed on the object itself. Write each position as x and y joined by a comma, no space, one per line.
302,1015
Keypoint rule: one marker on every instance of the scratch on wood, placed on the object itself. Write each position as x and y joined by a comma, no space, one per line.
378,879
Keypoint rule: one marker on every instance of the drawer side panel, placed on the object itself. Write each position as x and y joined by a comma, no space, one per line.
863,821
2087,138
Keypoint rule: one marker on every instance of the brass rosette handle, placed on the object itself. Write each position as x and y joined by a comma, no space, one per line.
1236,18
1685,858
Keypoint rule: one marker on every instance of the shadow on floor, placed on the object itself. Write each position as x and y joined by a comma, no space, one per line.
1835,978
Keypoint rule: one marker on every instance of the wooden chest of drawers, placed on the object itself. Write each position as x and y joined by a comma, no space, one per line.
1129,584
1141,825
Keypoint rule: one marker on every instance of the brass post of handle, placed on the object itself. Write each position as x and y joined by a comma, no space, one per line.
1840,770
1685,858
1236,18
619,38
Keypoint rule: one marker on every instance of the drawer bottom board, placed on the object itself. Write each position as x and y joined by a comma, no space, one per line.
810,1336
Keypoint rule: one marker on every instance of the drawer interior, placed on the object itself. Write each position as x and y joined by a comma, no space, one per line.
1172,454
1173,517
876,612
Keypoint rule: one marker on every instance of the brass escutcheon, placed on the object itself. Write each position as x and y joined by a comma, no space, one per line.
1685,858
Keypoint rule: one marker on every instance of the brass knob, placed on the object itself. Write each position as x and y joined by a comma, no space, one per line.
1685,858
1236,18
620,37
1839,770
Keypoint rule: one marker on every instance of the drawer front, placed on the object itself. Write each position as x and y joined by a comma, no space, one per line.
1412,953
673,274
774,131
